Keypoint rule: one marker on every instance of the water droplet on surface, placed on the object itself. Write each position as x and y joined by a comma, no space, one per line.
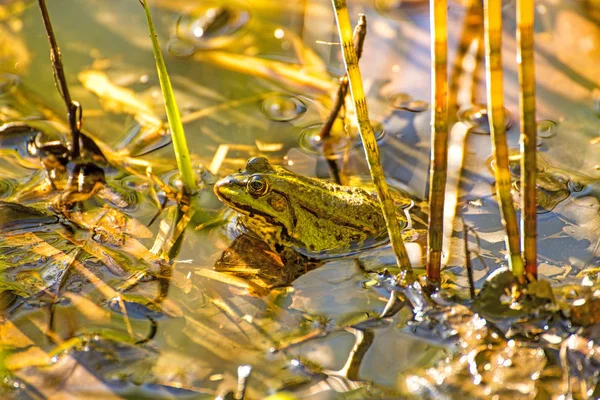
282,108
212,26
476,117
311,141
546,128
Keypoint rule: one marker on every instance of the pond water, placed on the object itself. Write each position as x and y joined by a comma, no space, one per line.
91,310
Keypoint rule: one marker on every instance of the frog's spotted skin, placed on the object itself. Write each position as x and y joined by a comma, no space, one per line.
314,217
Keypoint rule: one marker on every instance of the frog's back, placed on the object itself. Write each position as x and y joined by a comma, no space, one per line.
348,205
330,219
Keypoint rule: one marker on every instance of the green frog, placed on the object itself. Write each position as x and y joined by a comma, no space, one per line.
553,185
316,218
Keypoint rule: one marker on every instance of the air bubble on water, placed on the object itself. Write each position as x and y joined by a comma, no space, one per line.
212,26
310,139
180,49
546,128
417,106
400,100
476,117
404,101
282,108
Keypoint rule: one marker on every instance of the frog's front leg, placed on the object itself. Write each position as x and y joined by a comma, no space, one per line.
272,235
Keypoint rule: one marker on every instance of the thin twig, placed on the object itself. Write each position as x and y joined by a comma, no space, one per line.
73,107
360,33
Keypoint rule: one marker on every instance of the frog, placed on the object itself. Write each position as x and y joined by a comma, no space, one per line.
316,218
553,185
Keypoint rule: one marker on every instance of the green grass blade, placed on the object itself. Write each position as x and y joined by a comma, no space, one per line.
182,153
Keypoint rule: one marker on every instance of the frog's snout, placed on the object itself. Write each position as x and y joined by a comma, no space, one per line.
225,188
221,187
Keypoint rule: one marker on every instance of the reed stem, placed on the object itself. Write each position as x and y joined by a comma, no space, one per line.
525,59
368,138
182,153
495,104
439,138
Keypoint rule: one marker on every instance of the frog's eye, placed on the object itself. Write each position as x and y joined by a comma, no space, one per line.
257,186
258,164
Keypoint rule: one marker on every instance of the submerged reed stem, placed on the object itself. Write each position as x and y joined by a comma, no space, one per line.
495,104
182,153
439,138
525,59
368,137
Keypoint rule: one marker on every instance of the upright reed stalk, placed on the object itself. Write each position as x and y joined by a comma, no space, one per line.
182,153
439,137
495,104
368,138
525,60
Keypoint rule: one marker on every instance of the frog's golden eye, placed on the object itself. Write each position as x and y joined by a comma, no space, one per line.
257,186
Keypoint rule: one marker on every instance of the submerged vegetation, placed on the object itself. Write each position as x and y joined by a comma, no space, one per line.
230,267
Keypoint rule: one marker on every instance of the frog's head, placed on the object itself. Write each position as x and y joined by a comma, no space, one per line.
253,192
